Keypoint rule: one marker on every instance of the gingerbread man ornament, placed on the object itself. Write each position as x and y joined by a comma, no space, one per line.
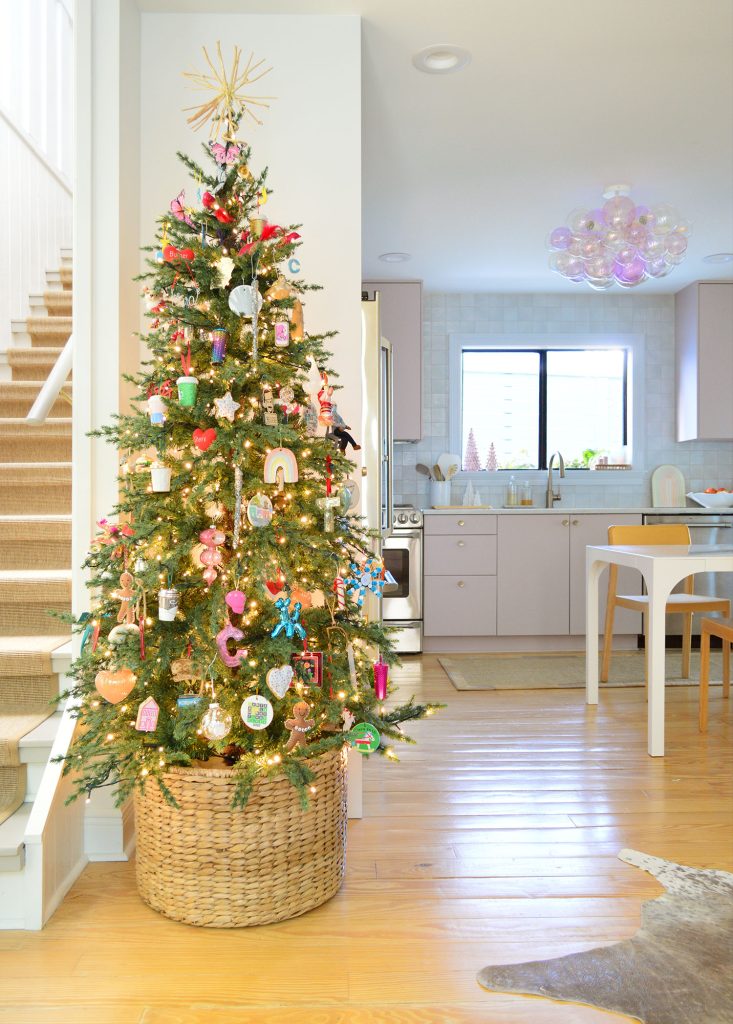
125,595
299,726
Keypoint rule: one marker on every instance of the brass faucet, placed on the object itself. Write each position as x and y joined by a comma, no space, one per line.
552,494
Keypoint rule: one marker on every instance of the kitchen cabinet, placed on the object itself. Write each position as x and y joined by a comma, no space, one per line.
704,361
400,304
541,573
460,591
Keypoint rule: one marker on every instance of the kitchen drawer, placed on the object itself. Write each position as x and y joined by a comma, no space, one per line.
438,525
455,555
460,606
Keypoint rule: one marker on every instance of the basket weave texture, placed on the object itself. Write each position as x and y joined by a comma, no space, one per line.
207,864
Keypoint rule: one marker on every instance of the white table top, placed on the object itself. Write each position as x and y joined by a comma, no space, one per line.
666,551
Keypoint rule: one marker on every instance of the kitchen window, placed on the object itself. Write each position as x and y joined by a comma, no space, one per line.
519,403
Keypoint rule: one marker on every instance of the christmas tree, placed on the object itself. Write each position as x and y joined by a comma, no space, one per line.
230,585
492,463
471,463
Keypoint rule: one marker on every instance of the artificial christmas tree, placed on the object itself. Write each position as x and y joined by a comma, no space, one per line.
492,463
471,463
227,648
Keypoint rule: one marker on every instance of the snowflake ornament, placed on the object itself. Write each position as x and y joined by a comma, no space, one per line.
368,576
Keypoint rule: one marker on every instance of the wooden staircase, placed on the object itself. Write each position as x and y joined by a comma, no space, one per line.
35,559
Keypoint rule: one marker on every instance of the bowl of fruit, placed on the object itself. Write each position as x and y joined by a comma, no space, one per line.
713,497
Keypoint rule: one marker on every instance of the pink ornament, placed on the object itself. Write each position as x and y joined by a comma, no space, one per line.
235,599
381,674
210,557
230,632
339,589
147,716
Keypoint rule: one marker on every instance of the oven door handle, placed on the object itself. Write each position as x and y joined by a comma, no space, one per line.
406,534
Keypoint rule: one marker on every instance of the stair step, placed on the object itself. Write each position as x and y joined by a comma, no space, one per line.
17,398
27,596
12,830
66,277
58,303
35,488
21,441
35,542
32,363
48,330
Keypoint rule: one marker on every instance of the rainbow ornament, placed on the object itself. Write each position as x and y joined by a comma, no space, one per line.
281,467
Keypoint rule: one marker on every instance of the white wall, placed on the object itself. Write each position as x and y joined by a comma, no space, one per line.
310,140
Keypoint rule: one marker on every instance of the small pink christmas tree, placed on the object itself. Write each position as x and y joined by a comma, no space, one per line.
492,463
471,462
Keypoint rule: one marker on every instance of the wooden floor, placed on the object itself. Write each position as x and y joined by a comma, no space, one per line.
494,841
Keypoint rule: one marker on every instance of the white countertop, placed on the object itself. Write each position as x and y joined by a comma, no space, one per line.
568,509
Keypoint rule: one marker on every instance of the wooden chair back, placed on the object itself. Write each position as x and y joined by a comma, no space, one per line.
642,536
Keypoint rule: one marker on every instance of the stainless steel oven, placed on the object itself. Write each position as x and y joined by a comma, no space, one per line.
402,604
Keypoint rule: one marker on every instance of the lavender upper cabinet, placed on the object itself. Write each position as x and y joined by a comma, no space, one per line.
704,335
401,309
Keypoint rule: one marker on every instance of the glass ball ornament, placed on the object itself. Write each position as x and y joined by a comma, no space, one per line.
216,723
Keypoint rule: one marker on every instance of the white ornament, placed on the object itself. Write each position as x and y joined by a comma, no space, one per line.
225,266
279,679
226,407
256,712
216,724
242,300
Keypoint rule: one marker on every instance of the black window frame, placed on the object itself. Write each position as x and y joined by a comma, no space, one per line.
542,395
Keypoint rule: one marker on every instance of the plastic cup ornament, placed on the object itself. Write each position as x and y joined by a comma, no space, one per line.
160,477
216,723
167,604
623,243
187,389
219,340
156,410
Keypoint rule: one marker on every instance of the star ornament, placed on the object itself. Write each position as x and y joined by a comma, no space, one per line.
227,99
226,407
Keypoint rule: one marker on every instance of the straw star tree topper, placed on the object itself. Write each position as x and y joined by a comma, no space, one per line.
227,567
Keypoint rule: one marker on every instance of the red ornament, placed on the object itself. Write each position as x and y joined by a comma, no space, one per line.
171,254
223,217
204,439
208,200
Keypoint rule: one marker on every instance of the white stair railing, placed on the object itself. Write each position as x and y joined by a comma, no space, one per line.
52,385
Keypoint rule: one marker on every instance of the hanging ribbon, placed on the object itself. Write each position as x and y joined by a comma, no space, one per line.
186,362
328,476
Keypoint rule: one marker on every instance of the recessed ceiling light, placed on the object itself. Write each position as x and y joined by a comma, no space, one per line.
718,257
394,257
441,59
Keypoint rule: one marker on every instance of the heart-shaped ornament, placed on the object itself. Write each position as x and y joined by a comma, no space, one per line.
236,600
204,439
115,686
279,679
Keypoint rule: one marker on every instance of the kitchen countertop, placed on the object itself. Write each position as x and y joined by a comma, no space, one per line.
569,509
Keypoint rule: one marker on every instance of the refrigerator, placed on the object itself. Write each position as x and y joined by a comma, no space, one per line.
377,484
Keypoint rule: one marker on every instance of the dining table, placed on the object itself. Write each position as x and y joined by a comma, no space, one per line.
661,567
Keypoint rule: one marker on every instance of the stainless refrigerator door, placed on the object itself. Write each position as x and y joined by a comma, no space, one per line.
386,487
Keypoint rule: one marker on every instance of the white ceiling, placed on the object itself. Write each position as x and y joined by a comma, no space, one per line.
469,172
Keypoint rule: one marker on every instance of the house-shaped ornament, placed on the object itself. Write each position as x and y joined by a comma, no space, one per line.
147,716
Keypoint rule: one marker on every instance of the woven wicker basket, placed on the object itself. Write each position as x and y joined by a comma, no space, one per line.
209,865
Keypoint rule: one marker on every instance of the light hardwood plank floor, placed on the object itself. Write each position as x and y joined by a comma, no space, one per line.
494,841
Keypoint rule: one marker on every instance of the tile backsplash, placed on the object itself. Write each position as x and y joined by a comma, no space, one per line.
703,463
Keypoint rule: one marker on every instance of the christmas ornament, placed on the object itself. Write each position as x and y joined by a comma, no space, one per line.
309,667
203,439
171,254
140,564
179,211
325,415
167,604
188,700
286,398
147,716
236,601
230,632
381,674
364,738
349,494
259,510
294,265
339,589
237,506
226,407
226,154
225,266
245,300
216,723
299,726
219,339
183,670
361,578
226,100
258,226
187,390
279,679
256,712
340,431
310,419
351,658
268,404
282,334
282,289
115,686
118,634
348,720
281,467
124,595
328,506
160,478
289,620
210,557
156,410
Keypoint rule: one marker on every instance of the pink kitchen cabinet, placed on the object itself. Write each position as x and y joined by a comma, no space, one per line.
704,360
401,313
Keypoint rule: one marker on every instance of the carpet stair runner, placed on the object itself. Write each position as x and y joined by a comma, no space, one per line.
35,542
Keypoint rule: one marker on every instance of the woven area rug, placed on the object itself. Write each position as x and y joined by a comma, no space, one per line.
563,671
675,970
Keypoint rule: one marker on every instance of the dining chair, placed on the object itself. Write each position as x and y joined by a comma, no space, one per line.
722,628
685,604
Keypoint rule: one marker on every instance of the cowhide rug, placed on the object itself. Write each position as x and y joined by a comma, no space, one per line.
677,969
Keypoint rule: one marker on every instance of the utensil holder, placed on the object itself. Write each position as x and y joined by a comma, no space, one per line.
439,492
